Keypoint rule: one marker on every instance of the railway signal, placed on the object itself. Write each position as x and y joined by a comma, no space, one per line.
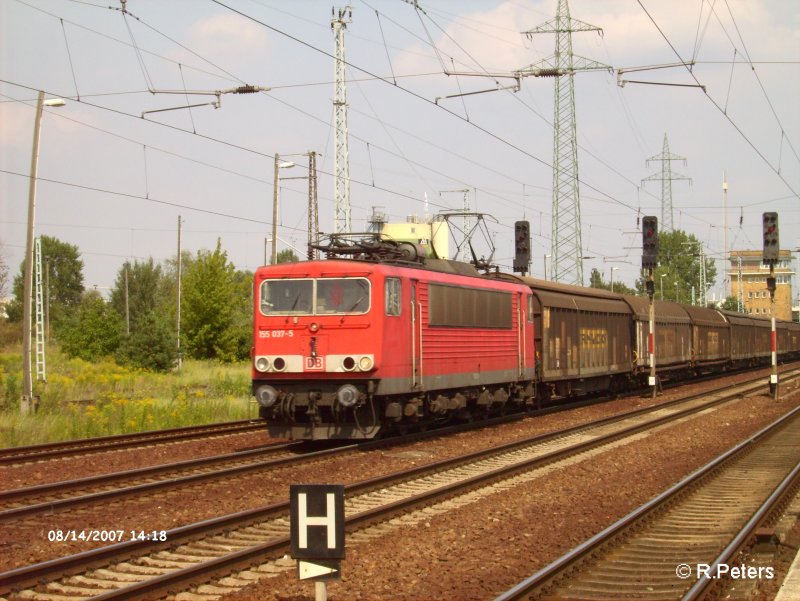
771,256
650,242
522,246
771,240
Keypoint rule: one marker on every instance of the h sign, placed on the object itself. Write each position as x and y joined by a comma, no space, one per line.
317,521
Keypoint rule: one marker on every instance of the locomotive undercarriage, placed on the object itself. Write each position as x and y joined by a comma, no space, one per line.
352,410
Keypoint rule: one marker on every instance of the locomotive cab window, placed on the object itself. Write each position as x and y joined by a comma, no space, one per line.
325,296
336,296
287,297
392,296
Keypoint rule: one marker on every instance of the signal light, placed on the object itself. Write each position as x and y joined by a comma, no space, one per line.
772,247
522,246
650,242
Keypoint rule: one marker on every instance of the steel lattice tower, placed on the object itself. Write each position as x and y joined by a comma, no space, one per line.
341,159
567,263
666,177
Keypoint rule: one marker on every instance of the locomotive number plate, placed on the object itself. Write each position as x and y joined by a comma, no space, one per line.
276,334
314,363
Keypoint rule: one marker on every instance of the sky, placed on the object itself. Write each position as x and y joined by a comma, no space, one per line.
113,180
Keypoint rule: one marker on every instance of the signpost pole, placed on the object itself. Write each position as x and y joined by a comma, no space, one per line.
651,342
773,378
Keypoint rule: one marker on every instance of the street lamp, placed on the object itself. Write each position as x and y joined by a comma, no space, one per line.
278,166
27,380
613,269
663,275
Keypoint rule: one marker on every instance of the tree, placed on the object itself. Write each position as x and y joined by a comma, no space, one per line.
731,303
92,330
208,304
64,269
144,290
596,281
3,275
287,256
679,261
151,345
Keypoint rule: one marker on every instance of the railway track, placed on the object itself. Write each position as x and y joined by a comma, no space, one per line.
53,450
230,551
24,503
683,542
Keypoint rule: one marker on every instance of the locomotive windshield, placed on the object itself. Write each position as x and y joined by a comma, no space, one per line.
329,296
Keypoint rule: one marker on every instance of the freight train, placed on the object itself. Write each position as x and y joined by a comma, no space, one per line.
385,341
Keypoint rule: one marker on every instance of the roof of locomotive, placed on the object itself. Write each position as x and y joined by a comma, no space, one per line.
302,268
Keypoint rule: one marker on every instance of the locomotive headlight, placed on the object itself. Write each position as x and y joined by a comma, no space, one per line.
348,364
365,363
266,395
347,395
262,363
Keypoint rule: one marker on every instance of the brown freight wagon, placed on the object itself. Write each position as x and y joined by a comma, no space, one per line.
673,335
582,337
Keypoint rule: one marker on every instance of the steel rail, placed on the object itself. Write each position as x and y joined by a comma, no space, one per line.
49,506
50,450
538,580
705,583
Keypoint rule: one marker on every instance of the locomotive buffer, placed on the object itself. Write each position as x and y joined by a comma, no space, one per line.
316,515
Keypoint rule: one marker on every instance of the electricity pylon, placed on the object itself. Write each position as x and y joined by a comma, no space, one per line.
341,158
567,263
666,178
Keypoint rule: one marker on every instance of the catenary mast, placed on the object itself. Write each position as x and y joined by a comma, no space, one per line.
341,159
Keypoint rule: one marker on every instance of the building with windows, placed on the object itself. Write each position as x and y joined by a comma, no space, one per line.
749,275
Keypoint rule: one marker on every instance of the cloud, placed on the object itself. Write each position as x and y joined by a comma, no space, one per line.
492,39
228,36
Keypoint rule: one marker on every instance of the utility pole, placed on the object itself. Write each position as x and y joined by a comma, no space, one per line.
27,401
178,307
740,291
341,158
276,174
725,257
666,177
566,265
127,305
313,207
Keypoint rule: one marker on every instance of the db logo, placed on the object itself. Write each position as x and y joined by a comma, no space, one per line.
315,363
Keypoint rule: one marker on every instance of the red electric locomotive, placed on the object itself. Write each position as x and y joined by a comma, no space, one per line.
348,349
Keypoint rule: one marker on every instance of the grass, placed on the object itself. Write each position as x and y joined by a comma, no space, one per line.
82,399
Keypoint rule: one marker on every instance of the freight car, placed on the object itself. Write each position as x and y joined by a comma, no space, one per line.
385,341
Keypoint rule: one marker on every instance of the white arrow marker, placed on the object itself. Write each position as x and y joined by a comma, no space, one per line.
312,570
